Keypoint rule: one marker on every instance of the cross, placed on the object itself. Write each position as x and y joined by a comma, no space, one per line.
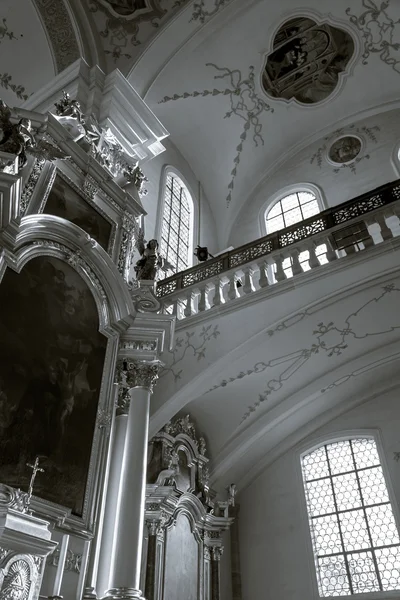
35,470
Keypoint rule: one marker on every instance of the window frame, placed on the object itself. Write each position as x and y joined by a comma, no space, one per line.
286,191
193,218
308,448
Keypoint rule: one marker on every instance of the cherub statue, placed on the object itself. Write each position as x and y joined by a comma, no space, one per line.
151,260
232,491
135,175
19,140
69,108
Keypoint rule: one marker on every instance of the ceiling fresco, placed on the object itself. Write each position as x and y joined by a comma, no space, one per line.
306,61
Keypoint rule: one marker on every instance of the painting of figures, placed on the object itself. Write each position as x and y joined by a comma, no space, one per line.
65,202
51,363
306,61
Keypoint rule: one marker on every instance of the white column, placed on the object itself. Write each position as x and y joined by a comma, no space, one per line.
110,515
139,377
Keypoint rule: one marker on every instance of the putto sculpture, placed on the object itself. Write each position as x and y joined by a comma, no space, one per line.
135,175
19,140
151,261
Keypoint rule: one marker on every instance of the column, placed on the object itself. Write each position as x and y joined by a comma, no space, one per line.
113,488
235,554
216,554
151,559
139,378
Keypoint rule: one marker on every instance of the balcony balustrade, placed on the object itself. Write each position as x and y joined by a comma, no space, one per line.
336,233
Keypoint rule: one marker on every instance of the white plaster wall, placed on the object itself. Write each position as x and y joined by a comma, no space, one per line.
276,556
336,188
154,170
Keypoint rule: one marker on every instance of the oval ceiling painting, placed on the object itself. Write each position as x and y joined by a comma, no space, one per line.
306,61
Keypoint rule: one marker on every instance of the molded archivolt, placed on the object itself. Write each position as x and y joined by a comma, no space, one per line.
306,60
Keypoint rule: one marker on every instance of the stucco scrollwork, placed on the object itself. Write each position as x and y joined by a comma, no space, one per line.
13,498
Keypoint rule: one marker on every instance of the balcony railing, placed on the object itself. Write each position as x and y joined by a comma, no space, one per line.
332,234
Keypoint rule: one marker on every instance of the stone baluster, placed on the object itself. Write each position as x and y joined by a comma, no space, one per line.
203,303
219,293
248,286
296,266
386,232
263,268
280,274
330,249
313,260
233,292
188,312
138,377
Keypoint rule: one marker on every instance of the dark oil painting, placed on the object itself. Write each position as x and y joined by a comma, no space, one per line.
51,363
65,202
306,61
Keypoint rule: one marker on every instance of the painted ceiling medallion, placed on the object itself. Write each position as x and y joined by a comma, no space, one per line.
345,149
306,61
133,9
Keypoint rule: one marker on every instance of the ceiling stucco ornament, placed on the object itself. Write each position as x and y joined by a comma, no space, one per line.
346,147
202,11
6,80
245,104
306,61
123,19
378,27
58,25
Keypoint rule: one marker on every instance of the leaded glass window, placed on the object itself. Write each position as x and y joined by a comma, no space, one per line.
177,224
291,209
354,534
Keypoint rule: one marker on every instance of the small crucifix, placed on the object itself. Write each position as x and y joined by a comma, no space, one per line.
35,470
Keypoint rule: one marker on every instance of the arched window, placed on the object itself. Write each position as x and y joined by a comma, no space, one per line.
289,209
177,224
354,534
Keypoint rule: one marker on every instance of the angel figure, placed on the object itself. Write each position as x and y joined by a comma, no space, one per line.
19,140
151,260
232,491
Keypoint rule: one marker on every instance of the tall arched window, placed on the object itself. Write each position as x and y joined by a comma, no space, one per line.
354,534
288,210
177,223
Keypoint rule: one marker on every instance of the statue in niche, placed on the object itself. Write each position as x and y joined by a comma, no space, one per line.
19,140
151,260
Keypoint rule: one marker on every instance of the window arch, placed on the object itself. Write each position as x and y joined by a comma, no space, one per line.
354,534
177,223
291,208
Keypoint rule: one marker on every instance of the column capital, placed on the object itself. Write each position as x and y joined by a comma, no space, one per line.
217,552
132,373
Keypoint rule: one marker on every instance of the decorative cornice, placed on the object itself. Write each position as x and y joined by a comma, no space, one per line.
136,373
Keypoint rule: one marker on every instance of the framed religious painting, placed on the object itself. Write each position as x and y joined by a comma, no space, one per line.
52,360
65,200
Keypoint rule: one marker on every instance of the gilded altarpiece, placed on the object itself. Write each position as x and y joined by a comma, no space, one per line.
184,518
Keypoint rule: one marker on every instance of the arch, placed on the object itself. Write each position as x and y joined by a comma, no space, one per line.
282,193
352,518
168,198
49,235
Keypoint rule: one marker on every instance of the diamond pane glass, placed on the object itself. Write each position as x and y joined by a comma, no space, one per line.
355,539
291,209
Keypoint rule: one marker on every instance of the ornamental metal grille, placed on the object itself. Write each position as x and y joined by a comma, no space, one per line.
354,534
176,224
291,209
